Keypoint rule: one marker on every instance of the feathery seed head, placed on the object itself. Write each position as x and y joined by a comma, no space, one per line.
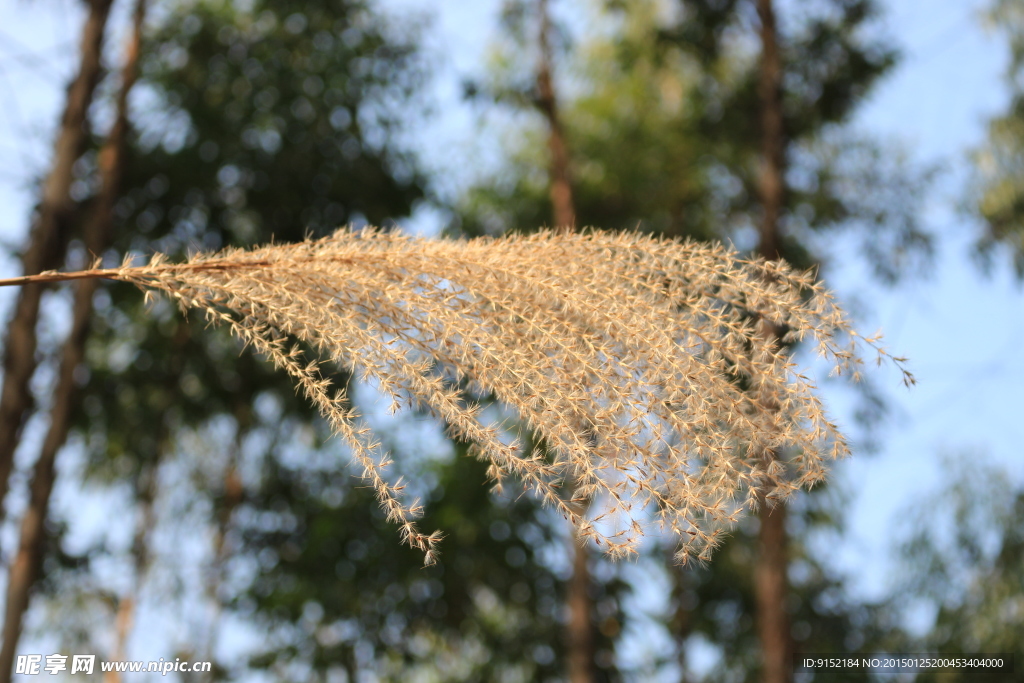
641,364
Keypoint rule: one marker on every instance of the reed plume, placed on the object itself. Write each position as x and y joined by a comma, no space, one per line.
640,364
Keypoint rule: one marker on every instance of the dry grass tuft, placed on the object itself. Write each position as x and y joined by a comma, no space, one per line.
640,363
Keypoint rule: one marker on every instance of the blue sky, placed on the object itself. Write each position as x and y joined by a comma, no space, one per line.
961,330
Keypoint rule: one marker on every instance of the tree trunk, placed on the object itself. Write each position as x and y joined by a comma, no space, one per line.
580,630
25,568
580,635
770,581
560,183
680,620
773,136
771,589
47,240
27,562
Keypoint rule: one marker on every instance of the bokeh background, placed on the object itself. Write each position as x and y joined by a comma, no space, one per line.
196,508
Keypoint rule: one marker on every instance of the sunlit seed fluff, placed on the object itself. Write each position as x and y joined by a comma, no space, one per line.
641,364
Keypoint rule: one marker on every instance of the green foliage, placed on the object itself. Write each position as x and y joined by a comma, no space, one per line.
719,599
268,123
998,192
259,121
972,570
662,120
341,593
280,120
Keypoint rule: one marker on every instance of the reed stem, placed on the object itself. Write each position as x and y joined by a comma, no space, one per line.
53,276
120,273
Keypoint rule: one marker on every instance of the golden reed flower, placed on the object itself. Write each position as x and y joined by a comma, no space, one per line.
642,365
